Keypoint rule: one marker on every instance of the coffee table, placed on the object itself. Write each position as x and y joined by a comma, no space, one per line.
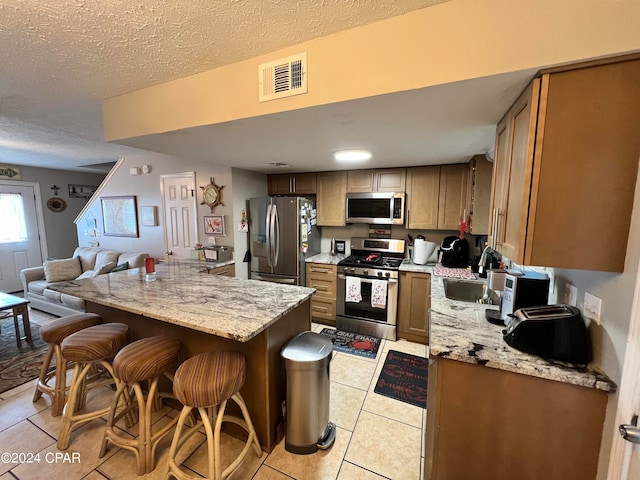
19,307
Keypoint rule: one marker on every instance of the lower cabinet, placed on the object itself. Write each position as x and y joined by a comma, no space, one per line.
414,302
228,270
487,423
323,278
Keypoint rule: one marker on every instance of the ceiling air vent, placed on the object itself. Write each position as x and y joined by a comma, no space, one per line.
283,78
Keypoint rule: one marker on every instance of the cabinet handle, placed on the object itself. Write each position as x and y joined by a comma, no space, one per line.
321,287
292,184
319,270
501,226
320,309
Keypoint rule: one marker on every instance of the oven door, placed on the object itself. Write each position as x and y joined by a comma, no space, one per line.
364,309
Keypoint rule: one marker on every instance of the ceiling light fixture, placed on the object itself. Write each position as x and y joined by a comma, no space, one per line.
352,155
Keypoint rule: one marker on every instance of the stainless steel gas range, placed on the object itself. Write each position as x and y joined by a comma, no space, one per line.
367,295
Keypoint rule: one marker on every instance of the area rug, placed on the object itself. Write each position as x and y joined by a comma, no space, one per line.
19,365
404,377
354,343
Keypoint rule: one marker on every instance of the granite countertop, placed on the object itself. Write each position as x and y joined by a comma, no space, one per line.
460,331
327,258
228,307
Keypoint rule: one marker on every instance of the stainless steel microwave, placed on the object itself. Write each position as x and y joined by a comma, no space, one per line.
375,208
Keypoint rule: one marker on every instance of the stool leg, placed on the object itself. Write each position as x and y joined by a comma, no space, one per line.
172,468
79,372
44,370
60,391
247,418
213,438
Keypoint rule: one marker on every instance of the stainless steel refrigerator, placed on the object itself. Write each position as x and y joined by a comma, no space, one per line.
283,233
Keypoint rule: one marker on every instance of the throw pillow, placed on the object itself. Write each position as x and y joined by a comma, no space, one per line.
62,270
122,266
106,268
87,274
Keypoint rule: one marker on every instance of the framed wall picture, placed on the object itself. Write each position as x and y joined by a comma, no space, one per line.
119,216
149,215
214,225
81,191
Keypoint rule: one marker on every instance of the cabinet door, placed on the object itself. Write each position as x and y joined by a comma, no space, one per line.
413,306
423,191
331,198
479,195
499,185
453,195
304,184
391,180
227,270
279,184
361,181
513,222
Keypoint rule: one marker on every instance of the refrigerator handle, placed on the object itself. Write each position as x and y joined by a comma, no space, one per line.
276,237
269,236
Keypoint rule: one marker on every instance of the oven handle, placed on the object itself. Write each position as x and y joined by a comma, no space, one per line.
341,276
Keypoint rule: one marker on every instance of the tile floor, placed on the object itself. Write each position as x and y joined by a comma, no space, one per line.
377,437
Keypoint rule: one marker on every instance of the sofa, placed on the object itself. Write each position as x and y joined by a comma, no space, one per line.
85,262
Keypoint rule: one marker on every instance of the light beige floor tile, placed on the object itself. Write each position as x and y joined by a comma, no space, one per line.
349,471
24,439
19,407
267,473
406,347
321,465
81,460
122,465
352,371
386,447
345,404
230,447
19,389
95,475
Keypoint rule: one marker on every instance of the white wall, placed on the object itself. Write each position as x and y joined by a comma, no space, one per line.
246,185
59,226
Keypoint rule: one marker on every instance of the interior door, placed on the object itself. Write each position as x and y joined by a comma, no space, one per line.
180,214
624,461
20,236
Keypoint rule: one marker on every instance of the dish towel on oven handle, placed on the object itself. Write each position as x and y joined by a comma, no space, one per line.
353,290
379,293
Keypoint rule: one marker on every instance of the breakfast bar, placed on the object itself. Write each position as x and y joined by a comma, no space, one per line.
210,312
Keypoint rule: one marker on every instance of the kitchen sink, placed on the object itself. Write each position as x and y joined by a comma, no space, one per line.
468,291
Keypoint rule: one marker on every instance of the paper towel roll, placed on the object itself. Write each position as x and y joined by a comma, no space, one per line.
422,250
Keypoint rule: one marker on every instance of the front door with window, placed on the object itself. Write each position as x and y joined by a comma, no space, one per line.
19,236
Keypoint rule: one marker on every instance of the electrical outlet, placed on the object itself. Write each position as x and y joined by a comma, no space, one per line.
570,294
592,307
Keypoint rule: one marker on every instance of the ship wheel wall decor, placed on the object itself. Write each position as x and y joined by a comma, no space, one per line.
212,194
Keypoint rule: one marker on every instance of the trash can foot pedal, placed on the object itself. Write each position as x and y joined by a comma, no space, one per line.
329,437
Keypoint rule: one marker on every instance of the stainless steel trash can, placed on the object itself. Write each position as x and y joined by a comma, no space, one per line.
308,428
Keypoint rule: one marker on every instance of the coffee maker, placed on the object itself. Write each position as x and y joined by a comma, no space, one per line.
454,252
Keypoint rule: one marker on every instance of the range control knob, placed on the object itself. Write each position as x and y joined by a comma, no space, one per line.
352,269
365,271
379,274
387,274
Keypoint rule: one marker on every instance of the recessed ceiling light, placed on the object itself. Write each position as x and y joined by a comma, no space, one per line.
352,155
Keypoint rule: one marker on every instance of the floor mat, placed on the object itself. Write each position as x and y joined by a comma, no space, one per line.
354,343
19,365
404,377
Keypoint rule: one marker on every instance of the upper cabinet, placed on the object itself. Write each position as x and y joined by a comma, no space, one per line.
436,196
292,184
383,180
565,169
331,199
479,194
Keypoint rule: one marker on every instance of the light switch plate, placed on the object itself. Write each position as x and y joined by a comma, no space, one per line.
592,307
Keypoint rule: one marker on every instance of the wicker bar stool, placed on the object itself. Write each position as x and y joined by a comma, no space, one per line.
145,360
53,334
206,382
90,349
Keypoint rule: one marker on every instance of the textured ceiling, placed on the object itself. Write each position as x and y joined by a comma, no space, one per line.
60,59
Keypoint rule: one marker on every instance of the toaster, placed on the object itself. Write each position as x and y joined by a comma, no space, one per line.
554,332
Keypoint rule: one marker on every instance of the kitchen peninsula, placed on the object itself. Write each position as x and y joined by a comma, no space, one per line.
210,312
496,413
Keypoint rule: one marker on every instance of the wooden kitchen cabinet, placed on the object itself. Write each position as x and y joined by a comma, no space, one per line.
227,270
479,194
436,196
331,199
490,424
292,184
323,277
414,302
382,180
565,169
